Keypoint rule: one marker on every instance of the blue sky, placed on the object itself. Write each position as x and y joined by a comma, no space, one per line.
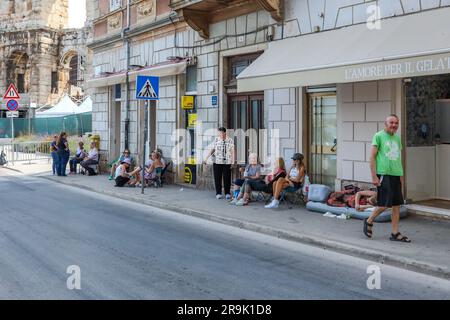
77,13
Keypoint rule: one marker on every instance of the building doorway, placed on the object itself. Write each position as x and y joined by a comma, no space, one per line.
322,138
116,122
246,112
427,139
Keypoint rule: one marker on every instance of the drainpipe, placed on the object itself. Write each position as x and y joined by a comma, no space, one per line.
127,84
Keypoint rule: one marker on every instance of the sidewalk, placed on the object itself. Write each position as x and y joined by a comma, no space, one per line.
428,253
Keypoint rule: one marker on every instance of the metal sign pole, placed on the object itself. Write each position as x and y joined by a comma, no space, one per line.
145,145
12,129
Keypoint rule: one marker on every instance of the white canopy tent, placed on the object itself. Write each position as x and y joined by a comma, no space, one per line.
66,107
86,106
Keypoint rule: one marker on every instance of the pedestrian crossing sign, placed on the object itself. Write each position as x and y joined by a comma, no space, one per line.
147,88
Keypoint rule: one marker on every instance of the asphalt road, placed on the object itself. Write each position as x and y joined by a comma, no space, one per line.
130,251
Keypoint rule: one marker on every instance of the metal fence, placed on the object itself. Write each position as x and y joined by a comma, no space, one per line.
77,124
25,151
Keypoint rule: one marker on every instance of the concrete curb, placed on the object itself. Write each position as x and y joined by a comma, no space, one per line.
372,255
16,170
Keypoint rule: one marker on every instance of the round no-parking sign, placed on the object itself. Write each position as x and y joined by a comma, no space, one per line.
12,105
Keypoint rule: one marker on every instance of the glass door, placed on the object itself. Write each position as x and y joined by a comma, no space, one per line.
322,138
247,112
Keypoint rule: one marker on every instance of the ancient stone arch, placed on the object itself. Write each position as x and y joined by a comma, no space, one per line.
18,70
70,73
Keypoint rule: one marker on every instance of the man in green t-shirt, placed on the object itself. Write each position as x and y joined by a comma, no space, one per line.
387,175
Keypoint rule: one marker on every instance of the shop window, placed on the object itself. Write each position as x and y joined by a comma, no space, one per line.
191,78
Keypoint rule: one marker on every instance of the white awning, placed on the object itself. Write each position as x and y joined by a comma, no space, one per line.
412,45
107,81
162,70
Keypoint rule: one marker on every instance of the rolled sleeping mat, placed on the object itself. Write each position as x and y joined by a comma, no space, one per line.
383,217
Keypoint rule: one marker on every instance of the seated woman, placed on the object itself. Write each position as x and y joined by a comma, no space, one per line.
294,180
279,171
252,173
122,177
90,159
151,172
126,154
79,156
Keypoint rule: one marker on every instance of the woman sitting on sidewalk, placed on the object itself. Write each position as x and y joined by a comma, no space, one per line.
294,180
122,176
252,173
279,171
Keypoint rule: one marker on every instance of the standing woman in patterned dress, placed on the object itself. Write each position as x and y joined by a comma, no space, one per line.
224,157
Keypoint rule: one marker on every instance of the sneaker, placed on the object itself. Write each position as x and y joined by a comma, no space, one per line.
228,197
273,205
241,203
110,178
219,196
233,201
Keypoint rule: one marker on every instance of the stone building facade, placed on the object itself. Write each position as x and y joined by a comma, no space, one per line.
328,118
41,56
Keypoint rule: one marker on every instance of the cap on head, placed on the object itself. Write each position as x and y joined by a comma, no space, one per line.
297,156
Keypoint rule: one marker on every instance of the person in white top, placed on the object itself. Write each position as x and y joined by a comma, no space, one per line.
294,180
90,159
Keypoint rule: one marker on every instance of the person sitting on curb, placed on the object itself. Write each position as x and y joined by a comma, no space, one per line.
90,159
252,173
126,154
79,156
122,176
294,180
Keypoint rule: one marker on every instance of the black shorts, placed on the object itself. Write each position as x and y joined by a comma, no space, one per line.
389,193
121,181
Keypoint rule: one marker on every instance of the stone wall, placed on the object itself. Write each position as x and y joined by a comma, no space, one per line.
362,109
280,111
30,14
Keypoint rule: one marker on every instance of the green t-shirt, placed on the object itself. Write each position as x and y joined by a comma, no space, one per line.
389,156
